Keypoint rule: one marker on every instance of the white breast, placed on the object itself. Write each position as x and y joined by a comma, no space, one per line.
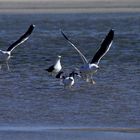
68,82
57,67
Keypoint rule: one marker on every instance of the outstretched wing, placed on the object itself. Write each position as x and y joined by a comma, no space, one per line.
105,46
23,38
82,56
50,69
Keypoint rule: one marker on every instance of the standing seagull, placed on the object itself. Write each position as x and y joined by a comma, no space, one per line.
89,68
56,68
6,55
68,81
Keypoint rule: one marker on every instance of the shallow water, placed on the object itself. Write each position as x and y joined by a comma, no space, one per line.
30,97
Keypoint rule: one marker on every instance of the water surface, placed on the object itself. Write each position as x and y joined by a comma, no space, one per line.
30,97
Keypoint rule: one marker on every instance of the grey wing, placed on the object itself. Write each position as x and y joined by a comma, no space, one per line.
82,56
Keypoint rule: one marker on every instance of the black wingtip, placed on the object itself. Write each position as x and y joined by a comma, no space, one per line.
105,46
31,28
59,75
48,70
111,33
32,25
64,35
109,37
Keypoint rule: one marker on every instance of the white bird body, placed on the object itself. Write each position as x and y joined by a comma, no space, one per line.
89,68
68,82
56,68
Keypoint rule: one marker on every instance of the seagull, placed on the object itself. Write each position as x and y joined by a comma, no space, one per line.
68,81
6,55
90,67
56,68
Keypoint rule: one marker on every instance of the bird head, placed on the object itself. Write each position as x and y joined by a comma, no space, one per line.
59,56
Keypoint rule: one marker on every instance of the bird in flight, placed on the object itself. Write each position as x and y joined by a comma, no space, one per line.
90,67
6,55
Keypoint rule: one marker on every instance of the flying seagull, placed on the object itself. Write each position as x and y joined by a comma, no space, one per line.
68,81
90,67
56,68
6,55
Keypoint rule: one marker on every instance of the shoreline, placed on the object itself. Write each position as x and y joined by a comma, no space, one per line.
70,10
61,128
69,6
70,133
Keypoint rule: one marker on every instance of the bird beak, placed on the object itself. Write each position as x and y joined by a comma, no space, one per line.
59,56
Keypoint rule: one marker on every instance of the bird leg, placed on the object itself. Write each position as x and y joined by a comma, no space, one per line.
0,66
93,82
91,79
7,65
